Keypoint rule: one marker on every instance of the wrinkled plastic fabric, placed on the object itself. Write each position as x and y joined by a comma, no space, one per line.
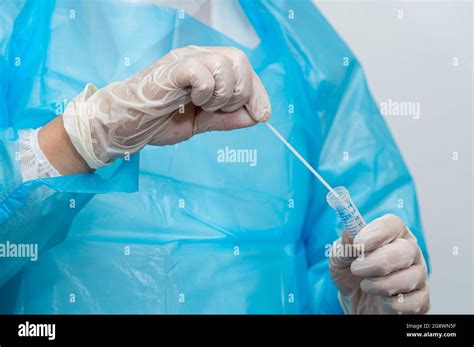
199,234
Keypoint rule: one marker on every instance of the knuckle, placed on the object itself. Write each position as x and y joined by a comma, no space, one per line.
418,305
395,220
384,270
240,59
383,286
373,285
205,88
190,63
174,51
383,267
208,86
412,236
238,54
218,59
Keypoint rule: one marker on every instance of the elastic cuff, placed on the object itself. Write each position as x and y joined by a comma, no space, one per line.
33,162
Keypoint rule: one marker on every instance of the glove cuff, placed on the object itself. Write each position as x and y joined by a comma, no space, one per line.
345,303
77,125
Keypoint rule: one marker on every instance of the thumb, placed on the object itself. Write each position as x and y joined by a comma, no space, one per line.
259,106
339,266
342,254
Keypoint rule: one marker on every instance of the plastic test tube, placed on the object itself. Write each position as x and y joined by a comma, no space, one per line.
346,210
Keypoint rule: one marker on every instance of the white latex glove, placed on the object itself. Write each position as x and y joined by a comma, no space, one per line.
390,278
189,91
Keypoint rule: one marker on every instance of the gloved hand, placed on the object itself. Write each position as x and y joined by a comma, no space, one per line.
390,278
189,91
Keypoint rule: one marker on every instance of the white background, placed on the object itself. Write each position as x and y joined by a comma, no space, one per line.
411,59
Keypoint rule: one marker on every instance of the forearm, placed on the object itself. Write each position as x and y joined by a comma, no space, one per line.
59,150
34,214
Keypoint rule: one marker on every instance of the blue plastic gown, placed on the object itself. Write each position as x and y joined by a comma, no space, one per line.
175,230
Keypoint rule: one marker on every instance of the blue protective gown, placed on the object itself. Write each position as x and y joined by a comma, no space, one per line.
175,230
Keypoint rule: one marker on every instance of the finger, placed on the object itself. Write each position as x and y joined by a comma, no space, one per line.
409,235
211,121
416,302
397,255
192,73
402,281
242,76
221,69
380,232
258,103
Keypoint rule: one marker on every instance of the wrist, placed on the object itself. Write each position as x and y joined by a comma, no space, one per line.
59,150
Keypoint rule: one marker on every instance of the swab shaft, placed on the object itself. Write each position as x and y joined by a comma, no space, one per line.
305,163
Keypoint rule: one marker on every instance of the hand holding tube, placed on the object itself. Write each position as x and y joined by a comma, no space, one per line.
390,277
